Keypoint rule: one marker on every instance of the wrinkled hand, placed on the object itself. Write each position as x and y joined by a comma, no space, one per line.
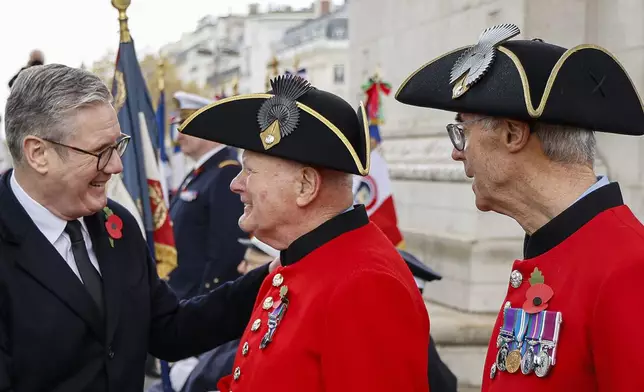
274,264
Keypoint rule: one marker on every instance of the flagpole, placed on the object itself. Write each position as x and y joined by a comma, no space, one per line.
126,38
121,6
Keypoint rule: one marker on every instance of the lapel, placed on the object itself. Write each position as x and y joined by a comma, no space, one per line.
31,251
108,260
192,176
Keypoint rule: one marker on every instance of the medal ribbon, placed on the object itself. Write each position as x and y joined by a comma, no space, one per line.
274,319
535,330
550,333
508,321
519,328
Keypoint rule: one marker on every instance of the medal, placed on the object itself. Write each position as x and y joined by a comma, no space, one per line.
275,317
535,329
549,338
542,364
513,359
506,335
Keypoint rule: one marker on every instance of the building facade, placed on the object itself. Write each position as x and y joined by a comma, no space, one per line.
321,47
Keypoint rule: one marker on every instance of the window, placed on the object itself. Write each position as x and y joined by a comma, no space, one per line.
338,74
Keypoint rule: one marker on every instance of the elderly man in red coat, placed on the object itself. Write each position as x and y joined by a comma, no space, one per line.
525,132
343,312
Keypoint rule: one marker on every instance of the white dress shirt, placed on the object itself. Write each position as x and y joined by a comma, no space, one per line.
53,228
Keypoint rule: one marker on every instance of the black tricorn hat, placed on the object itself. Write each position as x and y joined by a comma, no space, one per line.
294,121
530,81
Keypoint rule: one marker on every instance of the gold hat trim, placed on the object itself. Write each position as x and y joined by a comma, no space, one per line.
362,169
535,113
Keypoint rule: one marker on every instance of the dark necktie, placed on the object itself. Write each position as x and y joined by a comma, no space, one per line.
88,273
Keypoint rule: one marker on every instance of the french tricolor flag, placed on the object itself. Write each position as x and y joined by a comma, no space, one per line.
375,192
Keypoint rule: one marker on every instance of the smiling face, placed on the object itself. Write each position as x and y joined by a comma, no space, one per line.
72,181
268,188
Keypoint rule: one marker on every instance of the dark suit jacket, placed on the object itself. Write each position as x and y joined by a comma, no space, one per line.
204,214
52,337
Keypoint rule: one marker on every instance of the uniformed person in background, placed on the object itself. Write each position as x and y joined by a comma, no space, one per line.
204,212
527,113
344,312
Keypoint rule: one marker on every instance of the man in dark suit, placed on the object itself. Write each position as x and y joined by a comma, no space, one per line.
80,300
205,212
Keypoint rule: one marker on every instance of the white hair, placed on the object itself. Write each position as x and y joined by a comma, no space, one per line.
561,143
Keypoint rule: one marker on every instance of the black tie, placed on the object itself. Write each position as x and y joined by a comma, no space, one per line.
88,273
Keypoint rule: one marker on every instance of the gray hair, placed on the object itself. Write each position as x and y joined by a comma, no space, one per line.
561,143
42,99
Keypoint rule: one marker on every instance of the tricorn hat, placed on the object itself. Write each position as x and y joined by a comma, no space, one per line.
530,80
293,121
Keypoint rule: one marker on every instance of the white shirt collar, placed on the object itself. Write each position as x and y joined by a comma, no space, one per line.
209,155
49,224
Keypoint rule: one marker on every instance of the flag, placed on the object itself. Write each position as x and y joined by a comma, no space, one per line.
141,175
375,190
165,169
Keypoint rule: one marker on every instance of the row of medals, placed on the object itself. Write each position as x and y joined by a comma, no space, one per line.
512,361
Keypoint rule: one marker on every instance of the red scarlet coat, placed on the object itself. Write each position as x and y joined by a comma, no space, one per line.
592,256
355,319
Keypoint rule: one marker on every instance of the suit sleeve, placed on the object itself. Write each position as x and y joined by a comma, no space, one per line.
224,208
616,329
182,329
376,337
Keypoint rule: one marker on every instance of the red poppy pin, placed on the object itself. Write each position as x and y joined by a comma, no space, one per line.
113,224
538,294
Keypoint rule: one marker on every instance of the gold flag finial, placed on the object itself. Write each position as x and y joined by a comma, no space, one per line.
122,5
161,74
296,63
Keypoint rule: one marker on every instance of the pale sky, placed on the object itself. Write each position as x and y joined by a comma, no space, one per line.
75,31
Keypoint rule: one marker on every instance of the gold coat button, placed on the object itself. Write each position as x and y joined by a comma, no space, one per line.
207,285
278,280
256,324
237,373
268,303
216,280
245,349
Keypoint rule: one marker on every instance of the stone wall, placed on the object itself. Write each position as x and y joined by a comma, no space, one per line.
474,250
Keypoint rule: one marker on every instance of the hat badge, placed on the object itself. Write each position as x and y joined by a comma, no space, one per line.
477,60
279,115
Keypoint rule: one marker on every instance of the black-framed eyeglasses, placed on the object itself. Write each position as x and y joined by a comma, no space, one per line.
105,154
456,133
